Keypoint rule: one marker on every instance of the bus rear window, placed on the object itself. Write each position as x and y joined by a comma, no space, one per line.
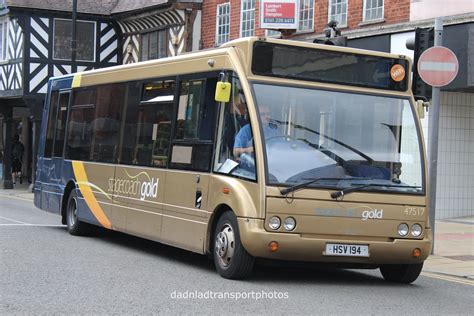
328,66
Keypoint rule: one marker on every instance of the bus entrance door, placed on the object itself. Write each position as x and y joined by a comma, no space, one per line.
185,209
52,167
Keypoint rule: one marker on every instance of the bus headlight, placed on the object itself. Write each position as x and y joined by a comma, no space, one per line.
416,230
274,222
289,223
403,229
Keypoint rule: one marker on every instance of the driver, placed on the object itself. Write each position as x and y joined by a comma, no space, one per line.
244,141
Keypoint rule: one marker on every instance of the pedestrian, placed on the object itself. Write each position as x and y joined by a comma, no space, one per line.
17,158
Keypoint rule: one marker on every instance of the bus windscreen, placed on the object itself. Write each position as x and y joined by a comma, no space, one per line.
327,66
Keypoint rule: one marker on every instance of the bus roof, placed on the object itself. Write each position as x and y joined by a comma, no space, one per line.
214,59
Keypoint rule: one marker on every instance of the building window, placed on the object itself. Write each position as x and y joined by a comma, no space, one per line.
272,33
247,18
373,10
338,12
154,45
306,15
222,23
85,40
3,39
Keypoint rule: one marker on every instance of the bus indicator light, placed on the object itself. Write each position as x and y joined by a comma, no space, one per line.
273,246
226,190
416,253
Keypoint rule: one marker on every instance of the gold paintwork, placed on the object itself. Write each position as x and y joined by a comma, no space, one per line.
156,68
173,218
121,201
312,247
144,213
184,224
76,81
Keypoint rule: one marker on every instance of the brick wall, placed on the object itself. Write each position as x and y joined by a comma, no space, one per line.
395,11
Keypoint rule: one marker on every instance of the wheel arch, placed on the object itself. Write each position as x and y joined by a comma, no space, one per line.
71,185
216,214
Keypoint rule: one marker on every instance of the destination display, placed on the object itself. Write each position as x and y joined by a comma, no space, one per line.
301,63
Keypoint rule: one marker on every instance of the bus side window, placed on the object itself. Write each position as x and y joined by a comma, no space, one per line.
128,137
106,124
53,112
234,119
61,124
195,125
80,121
148,124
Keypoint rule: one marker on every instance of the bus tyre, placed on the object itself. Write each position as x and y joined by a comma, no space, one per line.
74,226
401,273
232,261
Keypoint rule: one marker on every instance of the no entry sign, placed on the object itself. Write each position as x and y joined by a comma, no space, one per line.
438,66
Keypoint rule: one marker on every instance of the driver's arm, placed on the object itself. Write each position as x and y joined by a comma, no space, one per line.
243,142
242,150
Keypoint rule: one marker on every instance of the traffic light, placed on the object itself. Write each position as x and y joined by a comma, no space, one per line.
424,39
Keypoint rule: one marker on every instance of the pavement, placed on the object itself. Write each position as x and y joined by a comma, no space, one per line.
453,253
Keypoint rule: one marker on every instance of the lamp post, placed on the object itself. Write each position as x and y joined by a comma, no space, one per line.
74,35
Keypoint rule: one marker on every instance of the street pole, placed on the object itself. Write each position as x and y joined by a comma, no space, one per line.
433,134
74,35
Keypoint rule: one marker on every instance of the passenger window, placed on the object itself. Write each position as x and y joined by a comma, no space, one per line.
190,98
235,149
148,125
106,124
53,112
61,124
153,130
128,137
79,128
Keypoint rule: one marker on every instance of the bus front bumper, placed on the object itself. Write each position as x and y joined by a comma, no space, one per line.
296,247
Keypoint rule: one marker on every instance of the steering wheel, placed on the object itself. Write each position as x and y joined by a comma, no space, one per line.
287,141
273,138
248,160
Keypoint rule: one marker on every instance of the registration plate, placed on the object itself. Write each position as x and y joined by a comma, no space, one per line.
347,250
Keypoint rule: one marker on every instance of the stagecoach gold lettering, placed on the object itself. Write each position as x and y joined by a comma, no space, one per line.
149,189
351,212
145,189
337,213
374,214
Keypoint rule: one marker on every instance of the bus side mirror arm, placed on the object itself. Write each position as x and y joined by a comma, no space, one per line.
421,107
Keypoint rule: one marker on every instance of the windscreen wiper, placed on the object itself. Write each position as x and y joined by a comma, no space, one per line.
306,183
346,191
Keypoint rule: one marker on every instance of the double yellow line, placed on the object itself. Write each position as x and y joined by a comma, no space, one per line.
448,278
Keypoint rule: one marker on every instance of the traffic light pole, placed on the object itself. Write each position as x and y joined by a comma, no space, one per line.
433,135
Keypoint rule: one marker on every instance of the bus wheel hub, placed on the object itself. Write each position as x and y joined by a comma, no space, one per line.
224,245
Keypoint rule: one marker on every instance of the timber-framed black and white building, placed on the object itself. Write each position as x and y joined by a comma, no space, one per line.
35,44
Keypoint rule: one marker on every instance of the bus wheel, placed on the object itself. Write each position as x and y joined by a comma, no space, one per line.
401,273
232,261
74,226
